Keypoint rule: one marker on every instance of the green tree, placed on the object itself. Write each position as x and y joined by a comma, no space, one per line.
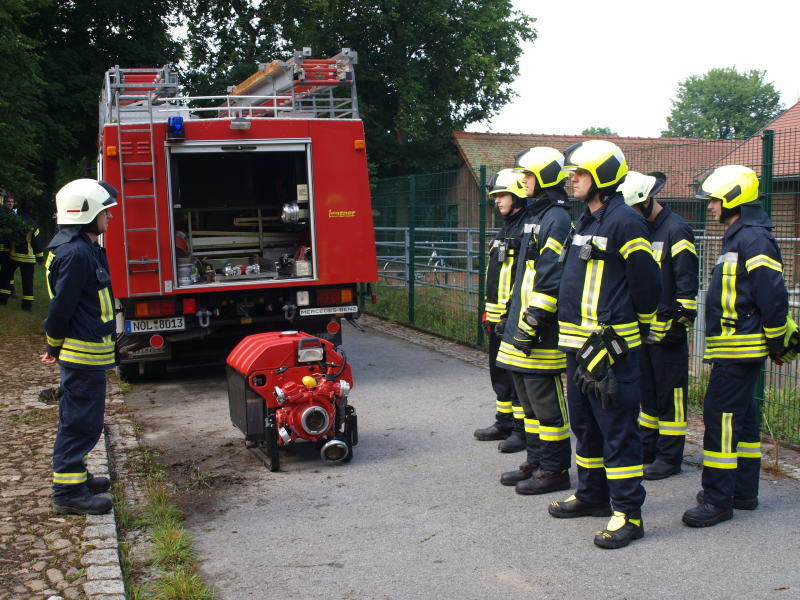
226,41
599,132
723,104
77,42
425,68
19,100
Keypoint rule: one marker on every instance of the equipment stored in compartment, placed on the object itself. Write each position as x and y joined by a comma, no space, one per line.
234,210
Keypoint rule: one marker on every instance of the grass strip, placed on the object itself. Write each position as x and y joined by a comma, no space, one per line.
171,563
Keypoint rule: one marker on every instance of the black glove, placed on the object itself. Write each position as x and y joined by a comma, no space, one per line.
601,382
594,374
644,332
684,316
530,319
523,341
500,327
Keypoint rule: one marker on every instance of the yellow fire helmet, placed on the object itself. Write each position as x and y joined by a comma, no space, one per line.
602,159
638,187
546,164
734,185
507,181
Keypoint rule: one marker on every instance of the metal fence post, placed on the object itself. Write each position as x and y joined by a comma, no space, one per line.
412,217
767,158
470,264
481,253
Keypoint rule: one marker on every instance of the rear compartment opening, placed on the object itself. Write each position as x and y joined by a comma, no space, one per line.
241,213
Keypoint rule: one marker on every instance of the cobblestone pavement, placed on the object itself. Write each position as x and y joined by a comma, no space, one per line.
43,555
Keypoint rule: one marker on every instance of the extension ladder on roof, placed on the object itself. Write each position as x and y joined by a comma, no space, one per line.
299,83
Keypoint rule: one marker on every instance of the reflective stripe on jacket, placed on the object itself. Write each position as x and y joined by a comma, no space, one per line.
31,249
80,327
747,302
674,250
617,283
536,282
500,274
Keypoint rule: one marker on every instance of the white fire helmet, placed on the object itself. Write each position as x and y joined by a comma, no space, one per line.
638,187
81,200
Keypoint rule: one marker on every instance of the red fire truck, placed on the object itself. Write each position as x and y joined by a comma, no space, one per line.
238,213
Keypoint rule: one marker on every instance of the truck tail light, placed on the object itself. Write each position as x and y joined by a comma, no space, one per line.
334,296
333,327
155,308
189,306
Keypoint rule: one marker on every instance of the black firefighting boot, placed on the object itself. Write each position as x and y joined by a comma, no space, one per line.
98,485
706,515
513,443
572,507
739,502
27,305
492,433
621,530
660,469
85,504
525,470
544,482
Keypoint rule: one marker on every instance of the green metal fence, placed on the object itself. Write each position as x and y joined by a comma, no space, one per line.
432,232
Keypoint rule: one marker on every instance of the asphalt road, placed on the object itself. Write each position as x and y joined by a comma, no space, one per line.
420,513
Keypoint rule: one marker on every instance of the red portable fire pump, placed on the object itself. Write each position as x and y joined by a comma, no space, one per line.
238,213
289,386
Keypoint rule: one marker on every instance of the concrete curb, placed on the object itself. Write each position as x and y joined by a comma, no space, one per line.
101,560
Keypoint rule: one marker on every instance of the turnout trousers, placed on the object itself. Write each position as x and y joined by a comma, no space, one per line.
509,414
7,271
664,384
80,424
732,440
608,452
546,420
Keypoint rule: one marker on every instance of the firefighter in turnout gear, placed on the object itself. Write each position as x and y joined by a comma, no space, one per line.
5,242
747,319
508,192
23,255
80,330
529,349
665,352
609,291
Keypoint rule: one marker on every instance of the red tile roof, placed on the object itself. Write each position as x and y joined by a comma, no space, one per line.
786,146
679,158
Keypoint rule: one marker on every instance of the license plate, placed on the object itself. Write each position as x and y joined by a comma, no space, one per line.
333,310
148,325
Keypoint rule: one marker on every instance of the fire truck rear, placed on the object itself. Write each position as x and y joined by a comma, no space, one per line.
238,213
